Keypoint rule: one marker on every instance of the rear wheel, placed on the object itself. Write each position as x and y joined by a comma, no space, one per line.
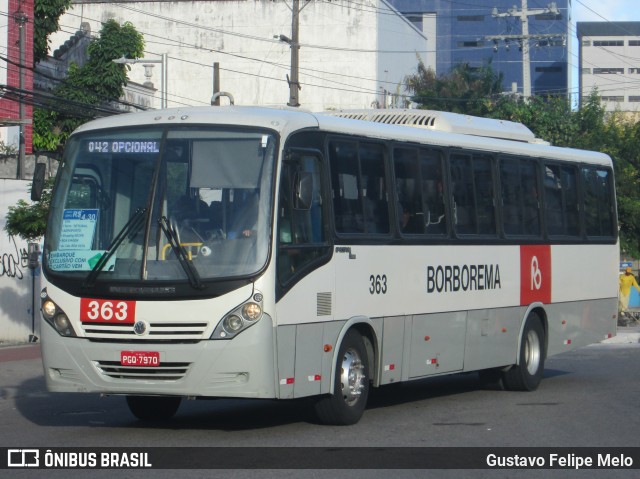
527,374
351,384
153,408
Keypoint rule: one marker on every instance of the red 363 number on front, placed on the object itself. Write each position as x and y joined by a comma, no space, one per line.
107,311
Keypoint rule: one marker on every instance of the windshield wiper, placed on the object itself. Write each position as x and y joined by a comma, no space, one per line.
131,227
181,254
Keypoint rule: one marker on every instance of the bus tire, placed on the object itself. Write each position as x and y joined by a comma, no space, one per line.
153,408
351,384
527,374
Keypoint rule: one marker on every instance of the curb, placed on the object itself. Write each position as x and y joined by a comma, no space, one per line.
624,336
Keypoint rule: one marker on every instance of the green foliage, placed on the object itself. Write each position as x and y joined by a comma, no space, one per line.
29,220
98,82
46,14
464,90
551,119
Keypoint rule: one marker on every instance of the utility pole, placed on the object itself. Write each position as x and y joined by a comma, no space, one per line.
524,14
294,44
294,84
21,19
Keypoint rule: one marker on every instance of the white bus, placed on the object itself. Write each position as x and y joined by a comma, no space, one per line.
247,252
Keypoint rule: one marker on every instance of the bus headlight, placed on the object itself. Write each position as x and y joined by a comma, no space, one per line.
48,309
55,316
251,311
63,325
241,318
232,324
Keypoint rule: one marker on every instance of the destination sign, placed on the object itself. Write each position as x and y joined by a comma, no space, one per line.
128,146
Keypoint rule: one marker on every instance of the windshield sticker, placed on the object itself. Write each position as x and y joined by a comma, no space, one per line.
78,260
78,229
143,146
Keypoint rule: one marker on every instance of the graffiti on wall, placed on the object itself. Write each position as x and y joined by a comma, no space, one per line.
14,261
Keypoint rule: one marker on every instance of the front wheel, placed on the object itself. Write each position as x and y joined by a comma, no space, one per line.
153,408
351,384
527,374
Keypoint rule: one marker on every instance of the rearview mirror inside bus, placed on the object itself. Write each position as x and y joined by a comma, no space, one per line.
303,190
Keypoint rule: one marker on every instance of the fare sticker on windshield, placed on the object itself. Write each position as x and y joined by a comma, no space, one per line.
78,260
78,229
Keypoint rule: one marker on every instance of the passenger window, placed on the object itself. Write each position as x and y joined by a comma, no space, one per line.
473,195
464,207
598,208
561,200
519,191
359,187
419,185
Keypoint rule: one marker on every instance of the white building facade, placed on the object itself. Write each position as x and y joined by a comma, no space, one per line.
351,55
19,285
610,63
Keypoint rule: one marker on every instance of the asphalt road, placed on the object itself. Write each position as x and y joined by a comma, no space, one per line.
589,398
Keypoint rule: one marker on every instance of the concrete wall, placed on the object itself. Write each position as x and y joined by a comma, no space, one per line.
16,293
340,61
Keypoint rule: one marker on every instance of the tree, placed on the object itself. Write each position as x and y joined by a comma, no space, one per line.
46,14
28,221
464,90
79,98
90,88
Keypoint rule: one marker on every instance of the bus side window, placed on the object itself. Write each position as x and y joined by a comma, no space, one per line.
520,205
464,214
433,210
561,200
598,207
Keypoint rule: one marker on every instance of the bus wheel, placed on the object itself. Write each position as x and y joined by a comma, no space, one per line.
351,384
153,408
526,375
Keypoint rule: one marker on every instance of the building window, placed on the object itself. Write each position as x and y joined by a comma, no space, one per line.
608,43
634,71
634,43
608,71
470,18
586,71
548,69
634,99
586,43
550,43
613,98
471,44
549,16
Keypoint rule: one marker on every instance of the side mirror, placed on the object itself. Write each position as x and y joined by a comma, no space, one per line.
38,181
303,190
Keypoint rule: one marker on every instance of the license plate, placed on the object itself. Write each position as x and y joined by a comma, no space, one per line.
139,358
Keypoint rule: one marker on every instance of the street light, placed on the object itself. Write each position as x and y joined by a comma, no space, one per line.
163,75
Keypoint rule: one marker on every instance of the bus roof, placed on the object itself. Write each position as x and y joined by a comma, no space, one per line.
420,126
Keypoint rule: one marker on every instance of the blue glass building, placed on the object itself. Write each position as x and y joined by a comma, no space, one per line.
468,32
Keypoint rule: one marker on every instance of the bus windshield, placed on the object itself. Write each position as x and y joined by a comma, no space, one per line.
176,205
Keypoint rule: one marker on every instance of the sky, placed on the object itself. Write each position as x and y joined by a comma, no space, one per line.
601,11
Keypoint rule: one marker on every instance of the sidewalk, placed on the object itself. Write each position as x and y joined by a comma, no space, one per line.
19,352
626,334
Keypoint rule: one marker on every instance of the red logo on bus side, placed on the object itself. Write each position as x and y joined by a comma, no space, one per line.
535,274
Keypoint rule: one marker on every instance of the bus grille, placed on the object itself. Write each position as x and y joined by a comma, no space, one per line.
165,332
164,372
